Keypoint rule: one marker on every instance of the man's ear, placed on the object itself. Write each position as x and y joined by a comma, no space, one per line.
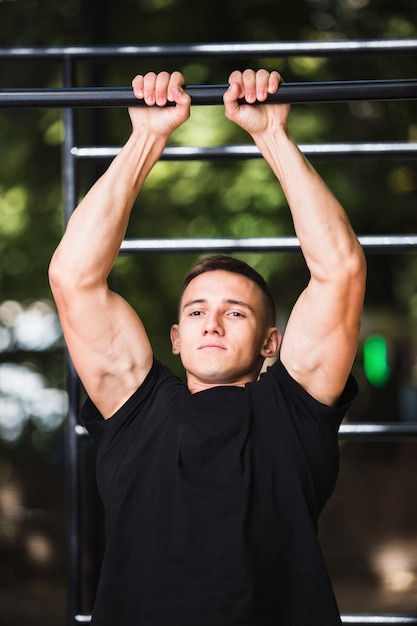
175,339
272,343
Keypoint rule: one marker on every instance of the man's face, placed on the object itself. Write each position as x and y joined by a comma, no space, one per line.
222,335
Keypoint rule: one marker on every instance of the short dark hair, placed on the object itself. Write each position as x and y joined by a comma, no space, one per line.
236,266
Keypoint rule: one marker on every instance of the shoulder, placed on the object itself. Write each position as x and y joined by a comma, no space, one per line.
159,386
295,394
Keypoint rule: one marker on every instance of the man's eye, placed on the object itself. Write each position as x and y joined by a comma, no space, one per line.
236,314
195,313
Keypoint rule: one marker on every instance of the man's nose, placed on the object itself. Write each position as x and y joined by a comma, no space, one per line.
212,324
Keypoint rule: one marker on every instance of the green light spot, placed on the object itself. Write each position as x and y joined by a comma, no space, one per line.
375,361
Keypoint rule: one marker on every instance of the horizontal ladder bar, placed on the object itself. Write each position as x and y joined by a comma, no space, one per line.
359,620
241,151
392,431
389,431
341,91
222,49
371,243
378,620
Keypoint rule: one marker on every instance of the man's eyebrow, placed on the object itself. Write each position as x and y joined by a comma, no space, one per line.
194,302
246,305
241,303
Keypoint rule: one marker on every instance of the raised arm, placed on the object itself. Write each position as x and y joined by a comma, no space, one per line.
105,337
321,337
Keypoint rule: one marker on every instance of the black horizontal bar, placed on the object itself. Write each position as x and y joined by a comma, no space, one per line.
372,243
359,620
261,244
388,243
223,49
342,91
389,431
379,620
243,151
392,431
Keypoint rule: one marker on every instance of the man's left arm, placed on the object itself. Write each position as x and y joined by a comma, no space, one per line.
322,333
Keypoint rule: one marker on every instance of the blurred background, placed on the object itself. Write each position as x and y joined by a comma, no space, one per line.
369,529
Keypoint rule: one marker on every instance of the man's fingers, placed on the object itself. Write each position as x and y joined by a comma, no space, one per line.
250,80
161,88
149,83
275,79
257,85
262,79
176,83
253,86
137,84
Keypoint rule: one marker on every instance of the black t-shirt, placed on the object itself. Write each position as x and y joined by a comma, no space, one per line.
212,502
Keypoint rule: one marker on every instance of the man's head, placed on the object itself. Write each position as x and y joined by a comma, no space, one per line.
226,324
236,266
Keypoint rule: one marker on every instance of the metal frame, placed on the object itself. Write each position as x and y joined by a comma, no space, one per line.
341,91
70,97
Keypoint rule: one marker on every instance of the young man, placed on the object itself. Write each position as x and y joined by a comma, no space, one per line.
213,488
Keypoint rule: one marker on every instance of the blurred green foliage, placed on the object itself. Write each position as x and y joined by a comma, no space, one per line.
191,199
203,199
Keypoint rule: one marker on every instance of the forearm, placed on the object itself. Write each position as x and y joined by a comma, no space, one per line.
96,229
321,225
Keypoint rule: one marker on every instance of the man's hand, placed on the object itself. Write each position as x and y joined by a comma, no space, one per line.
255,86
156,90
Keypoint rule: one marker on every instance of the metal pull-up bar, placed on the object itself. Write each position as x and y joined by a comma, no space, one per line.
257,49
340,91
352,150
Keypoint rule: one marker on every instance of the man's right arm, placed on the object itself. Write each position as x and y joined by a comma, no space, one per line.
106,339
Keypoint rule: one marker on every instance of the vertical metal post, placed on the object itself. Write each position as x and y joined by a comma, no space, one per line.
72,461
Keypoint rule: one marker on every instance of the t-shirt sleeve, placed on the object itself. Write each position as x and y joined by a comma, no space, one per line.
312,409
314,428
99,428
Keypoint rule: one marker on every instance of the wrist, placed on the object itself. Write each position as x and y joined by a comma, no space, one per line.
276,133
143,135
